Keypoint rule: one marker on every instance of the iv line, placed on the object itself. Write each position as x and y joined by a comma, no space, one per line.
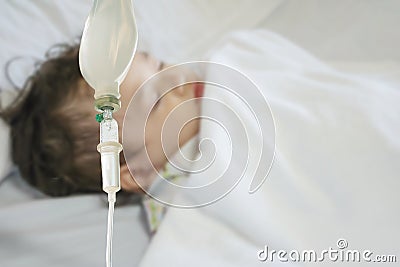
110,226
108,46
109,149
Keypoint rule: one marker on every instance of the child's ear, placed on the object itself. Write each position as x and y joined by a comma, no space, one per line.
127,182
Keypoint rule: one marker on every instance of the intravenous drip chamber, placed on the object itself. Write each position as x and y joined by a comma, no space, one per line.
107,48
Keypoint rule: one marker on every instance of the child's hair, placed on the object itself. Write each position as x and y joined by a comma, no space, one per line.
53,139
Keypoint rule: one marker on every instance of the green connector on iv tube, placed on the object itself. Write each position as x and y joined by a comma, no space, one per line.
99,117
104,104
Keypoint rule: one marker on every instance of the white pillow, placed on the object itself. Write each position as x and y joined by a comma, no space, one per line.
28,29
5,156
180,30
171,29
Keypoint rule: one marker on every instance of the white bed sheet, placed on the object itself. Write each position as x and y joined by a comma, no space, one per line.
37,231
335,174
174,30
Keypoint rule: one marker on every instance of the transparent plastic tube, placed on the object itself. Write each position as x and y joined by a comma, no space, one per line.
110,228
109,149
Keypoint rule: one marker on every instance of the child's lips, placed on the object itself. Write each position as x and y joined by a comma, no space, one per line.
198,90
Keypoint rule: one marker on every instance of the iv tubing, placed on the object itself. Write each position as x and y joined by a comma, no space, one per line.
111,203
109,149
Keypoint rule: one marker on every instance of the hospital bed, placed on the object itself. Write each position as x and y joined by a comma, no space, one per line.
357,37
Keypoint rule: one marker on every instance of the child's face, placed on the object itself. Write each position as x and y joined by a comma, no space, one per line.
144,66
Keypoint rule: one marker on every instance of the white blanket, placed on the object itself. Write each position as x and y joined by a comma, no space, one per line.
335,174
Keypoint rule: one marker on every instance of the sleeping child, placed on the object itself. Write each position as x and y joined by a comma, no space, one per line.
54,132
